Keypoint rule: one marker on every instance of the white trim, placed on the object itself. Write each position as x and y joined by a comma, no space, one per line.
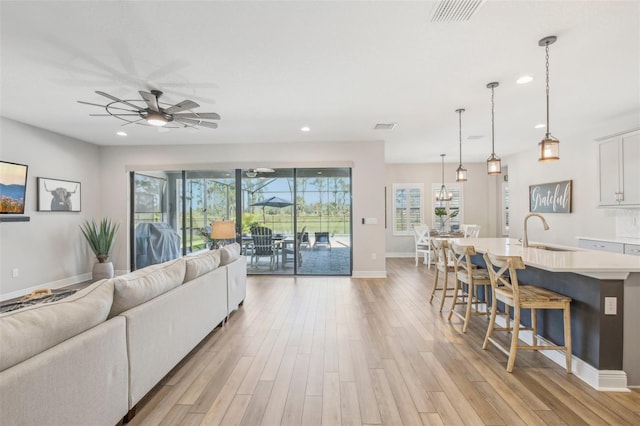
52,285
369,274
399,254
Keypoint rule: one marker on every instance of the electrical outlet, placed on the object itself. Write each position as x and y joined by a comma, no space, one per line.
373,256
610,305
15,272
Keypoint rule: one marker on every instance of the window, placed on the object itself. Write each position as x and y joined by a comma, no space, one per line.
452,206
407,207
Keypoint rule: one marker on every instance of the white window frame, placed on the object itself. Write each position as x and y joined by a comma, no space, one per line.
457,190
408,188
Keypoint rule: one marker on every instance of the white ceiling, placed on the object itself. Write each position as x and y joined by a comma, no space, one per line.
269,68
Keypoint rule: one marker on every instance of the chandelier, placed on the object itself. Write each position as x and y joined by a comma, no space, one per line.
443,195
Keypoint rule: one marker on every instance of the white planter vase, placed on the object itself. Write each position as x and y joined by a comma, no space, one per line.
102,270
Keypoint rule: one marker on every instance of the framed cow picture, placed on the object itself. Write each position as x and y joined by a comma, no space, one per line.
55,195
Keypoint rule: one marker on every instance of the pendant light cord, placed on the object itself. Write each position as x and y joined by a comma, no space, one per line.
460,135
547,88
493,151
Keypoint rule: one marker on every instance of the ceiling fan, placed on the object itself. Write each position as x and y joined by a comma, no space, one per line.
150,111
251,173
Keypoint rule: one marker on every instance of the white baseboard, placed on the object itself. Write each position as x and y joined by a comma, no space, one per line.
369,274
52,285
602,380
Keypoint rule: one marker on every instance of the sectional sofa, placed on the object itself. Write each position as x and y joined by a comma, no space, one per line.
90,358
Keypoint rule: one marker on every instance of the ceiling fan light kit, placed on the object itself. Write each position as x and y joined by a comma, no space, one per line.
180,114
549,146
461,172
494,165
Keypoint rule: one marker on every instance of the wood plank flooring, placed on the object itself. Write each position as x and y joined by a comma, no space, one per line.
343,351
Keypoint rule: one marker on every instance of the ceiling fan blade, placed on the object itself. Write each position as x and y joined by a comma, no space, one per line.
181,107
186,120
113,115
131,122
202,115
150,99
209,125
106,95
104,106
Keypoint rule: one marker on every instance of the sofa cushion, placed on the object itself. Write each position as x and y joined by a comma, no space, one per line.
137,287
201,264
29,331
229,253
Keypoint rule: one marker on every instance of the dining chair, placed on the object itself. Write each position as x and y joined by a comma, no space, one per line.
468,280
471,231
503,272
263,246
422,237
443,265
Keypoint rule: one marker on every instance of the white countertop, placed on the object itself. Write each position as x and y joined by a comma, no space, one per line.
591,263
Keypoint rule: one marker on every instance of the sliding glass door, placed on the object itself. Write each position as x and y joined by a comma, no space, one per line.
288,221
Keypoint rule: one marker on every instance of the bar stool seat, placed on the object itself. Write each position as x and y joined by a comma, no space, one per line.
506,289
467,274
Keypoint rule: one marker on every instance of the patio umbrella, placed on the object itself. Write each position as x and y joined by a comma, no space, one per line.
271,202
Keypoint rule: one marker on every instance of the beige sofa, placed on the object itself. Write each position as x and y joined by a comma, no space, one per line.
88,359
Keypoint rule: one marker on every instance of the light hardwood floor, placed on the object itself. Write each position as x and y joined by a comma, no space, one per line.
337,350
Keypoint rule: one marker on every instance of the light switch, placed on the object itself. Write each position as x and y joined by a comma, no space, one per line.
370,221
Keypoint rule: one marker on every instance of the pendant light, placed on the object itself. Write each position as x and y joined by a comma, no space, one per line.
443,195
494,167
549,146
461,173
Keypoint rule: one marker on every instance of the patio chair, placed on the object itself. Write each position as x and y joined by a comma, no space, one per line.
263,246
288,250
322,239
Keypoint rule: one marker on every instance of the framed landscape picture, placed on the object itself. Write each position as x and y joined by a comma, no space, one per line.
55,195
13,187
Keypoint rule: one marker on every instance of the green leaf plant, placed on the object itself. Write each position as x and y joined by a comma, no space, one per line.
100,237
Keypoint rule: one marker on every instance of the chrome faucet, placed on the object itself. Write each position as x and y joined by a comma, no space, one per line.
525,237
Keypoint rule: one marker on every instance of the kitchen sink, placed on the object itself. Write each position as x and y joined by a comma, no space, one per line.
549,248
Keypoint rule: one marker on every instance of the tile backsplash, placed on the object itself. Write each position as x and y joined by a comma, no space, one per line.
628,223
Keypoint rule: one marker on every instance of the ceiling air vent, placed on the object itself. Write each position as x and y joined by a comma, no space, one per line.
455,10
385,126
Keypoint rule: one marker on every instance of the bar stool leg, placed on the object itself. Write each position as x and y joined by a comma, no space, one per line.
492,322
435,284
514,339
445,283
467,317
534,326
567,335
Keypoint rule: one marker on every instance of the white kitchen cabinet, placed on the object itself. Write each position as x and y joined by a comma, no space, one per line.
619,170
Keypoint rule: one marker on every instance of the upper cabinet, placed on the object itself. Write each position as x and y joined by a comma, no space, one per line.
619,168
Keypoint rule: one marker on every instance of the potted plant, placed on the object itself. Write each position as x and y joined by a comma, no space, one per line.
443,216
101,237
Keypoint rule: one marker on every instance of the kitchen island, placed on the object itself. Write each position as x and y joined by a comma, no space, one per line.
606,344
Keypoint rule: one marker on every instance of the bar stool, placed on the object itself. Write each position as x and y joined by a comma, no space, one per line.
468,274
506,289
444,265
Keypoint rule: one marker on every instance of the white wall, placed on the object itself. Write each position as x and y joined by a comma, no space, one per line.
479,193
49,250
366,158
578,162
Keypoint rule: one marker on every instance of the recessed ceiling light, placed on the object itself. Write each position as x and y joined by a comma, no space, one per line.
305,129
121,133
384,126
524,79
539,126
